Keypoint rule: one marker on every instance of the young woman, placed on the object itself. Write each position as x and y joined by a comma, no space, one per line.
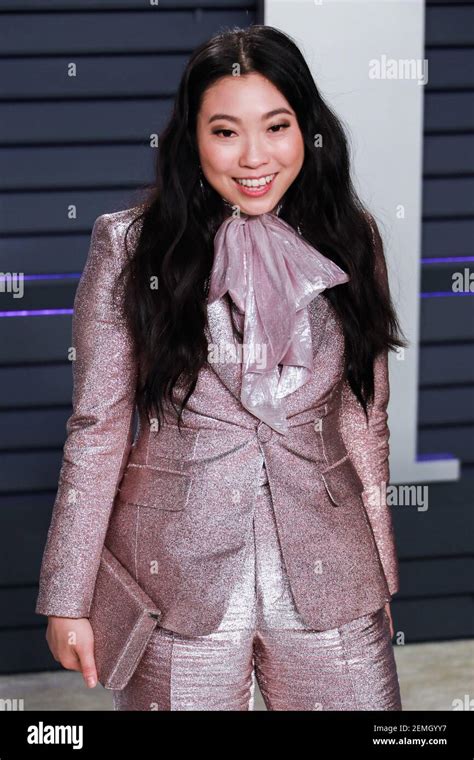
251,332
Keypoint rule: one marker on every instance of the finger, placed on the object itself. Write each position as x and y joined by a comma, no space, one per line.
89,671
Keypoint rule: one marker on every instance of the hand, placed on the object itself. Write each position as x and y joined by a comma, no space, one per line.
71,642
387,610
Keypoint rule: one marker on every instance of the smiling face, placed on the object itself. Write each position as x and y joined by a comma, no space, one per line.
250,145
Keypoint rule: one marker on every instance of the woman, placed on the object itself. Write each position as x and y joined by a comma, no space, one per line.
246,504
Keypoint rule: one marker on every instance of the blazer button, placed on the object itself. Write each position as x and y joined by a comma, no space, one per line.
264,432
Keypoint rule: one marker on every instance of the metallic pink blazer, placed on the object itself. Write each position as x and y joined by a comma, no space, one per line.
176,508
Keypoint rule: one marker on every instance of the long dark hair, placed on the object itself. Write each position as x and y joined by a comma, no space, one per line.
180,216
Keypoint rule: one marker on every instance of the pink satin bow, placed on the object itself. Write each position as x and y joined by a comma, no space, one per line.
271,274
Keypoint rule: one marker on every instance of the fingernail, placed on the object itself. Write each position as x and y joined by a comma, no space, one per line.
91,681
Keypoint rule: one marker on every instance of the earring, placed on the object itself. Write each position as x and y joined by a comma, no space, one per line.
201,183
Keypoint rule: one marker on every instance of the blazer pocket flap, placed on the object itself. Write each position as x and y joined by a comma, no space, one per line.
342,482
155,487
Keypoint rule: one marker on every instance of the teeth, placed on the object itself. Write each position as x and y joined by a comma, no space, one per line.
256,182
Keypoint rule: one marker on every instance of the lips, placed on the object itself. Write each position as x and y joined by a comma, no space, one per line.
260,181
255,191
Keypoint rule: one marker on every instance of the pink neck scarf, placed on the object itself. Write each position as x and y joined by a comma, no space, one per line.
271,274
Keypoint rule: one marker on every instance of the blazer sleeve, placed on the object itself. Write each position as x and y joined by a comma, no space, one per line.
99,432
368,444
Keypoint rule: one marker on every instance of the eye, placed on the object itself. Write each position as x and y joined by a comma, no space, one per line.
277,126
218,131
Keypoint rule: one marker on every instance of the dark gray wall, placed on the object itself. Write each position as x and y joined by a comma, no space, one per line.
86,143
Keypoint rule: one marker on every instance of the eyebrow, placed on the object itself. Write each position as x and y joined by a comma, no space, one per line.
268,115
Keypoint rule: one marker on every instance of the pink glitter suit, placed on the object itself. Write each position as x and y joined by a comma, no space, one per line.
282,580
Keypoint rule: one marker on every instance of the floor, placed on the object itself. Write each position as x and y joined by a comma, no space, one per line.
432,677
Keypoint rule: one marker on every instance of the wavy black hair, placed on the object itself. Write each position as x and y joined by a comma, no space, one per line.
179,218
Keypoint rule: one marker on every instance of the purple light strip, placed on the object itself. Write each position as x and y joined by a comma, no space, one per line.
36,312
443,294
434,457
54,276
448,260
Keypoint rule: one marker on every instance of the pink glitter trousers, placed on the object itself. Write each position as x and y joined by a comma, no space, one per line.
262,638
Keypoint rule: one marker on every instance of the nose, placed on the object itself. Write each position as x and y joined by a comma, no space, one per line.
254,154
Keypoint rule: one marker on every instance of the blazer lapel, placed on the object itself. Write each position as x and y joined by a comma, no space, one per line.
220,335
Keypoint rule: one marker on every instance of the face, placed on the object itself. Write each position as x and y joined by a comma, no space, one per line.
247,131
